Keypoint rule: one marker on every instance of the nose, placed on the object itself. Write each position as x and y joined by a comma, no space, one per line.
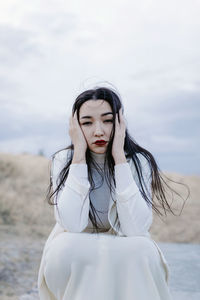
98,131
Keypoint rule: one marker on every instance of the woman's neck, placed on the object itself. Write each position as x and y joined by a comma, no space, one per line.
98,157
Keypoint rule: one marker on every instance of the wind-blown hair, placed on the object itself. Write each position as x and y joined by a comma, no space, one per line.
131,149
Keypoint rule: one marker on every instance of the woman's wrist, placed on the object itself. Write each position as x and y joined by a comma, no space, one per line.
78,158
120,159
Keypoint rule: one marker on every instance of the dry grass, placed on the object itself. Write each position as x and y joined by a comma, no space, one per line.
184,226
23,211
23,184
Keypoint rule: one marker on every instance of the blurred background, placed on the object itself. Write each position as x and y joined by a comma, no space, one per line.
50,51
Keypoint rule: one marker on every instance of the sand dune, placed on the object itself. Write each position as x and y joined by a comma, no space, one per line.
23,211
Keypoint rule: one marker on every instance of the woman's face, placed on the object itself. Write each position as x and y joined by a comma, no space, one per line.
96,121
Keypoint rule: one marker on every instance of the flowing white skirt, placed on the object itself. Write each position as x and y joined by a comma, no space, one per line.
85,266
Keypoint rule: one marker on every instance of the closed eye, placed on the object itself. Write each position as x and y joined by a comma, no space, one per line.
86,123
108,120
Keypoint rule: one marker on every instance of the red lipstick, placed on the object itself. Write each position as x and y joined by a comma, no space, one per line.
100,143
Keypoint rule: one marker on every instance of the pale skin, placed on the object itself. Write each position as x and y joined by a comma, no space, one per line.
94,128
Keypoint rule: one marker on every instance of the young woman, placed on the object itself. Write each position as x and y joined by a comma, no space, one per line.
103,189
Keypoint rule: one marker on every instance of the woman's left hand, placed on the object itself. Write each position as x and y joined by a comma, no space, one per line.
119,136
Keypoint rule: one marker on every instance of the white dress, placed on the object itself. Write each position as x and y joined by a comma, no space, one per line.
80,265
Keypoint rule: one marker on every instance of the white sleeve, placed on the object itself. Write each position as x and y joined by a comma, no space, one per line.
135,214
72,210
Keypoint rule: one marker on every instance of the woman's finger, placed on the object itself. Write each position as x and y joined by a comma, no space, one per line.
119,116
117,119
122,116
75,116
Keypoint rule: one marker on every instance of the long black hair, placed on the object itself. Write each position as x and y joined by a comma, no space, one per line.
131,149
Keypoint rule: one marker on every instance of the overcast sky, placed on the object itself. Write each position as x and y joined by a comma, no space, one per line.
50,51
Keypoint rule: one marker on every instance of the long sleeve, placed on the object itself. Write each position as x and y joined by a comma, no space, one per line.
72,208
134,214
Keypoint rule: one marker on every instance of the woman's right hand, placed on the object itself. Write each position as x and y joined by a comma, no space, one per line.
76,134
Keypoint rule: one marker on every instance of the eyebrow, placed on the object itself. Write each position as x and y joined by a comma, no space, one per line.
104,114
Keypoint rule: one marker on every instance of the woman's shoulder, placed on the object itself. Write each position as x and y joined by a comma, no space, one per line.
62,155
145,167
143,161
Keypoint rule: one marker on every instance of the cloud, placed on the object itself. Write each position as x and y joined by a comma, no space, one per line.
26,132
53,23
17,122
7,87
17,45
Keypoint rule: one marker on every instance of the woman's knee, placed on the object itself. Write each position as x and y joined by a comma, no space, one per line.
142,247
57,262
